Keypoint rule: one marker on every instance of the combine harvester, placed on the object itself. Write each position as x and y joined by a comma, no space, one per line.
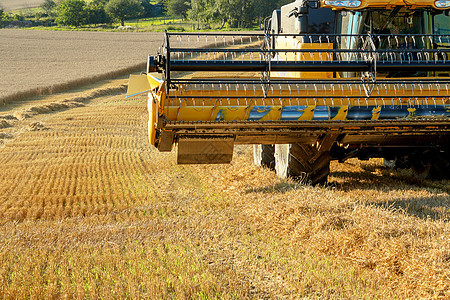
328,80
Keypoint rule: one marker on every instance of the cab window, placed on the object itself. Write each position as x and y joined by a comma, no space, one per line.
321,20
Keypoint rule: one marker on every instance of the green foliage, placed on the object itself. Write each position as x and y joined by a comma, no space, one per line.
233,13
96,13
205,10
149,9
77,12
284,2
5,18
178,7
72,13
175,28
264,8
49,7
238,13
2,14
123,9
18,17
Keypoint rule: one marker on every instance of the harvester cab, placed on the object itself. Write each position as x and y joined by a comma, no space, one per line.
327,80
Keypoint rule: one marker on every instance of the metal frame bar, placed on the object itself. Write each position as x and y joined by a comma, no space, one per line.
288,127
361,97
298,34
271,51
306,66
435,81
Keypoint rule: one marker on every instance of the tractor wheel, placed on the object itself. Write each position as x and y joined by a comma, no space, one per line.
389,163
397,163
431,164
263,156
421,166
293,160
440,165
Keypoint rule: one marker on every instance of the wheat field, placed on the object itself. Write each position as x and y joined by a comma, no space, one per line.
89,210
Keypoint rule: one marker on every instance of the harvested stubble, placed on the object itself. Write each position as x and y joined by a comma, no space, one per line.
4,135
71,102
36,126
89,210
4,124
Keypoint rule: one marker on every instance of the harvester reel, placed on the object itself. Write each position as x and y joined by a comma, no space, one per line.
297,161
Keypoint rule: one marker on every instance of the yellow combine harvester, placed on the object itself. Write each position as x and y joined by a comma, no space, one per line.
328,80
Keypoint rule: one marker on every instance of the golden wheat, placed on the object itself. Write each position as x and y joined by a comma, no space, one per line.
89,210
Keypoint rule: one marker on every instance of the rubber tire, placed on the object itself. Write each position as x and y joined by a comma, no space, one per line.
264,156
390,163
440,166
428,164
397,163
421,167
292,160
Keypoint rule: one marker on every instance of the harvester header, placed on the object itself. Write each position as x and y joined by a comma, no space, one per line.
324,81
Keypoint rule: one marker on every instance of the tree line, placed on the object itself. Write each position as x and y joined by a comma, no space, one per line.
237,13
234,13
81,12
85,12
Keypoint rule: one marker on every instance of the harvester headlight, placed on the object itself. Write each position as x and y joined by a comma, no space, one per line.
348,3
442,3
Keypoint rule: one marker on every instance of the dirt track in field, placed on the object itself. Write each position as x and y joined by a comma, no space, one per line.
89,209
